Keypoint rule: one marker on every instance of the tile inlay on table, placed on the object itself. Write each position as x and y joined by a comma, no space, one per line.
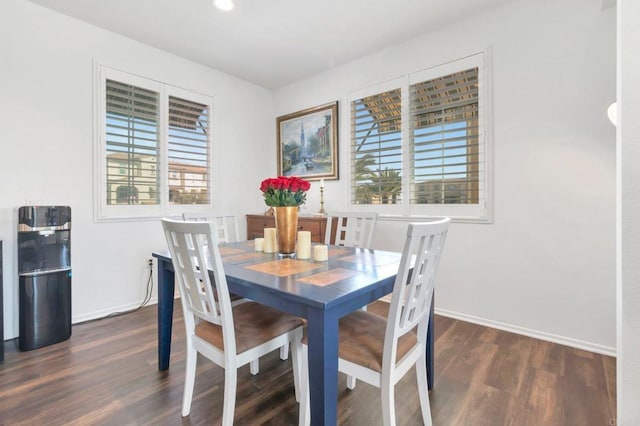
284,267
329,277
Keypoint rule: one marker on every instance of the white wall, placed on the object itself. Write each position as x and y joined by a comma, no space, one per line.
628,362
46,147
546,266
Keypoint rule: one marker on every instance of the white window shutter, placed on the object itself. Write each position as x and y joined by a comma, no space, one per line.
376,148
444,140
188,152
132,144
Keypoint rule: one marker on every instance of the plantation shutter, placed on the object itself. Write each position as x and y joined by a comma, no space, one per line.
376,149
444,132
188,152
132,144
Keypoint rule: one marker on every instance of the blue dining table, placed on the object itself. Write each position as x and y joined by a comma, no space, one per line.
320,292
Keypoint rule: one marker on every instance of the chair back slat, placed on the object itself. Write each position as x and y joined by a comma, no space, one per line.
353,229
189,271
194,251
414,285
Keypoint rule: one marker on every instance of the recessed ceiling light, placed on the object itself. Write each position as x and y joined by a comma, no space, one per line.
223,4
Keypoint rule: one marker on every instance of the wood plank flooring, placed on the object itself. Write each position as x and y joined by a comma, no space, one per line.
106,374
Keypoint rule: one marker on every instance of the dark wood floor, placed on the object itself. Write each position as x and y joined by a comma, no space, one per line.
107,374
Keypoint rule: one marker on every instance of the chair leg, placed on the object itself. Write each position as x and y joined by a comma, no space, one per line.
351,382
388,403
189,379
304,418
296,355
254,366
230,385
423,389
284,352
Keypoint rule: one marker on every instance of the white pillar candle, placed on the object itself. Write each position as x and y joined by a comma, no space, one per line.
270,242
321,253
304,245
259,244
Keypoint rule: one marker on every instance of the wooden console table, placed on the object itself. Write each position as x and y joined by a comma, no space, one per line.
257,223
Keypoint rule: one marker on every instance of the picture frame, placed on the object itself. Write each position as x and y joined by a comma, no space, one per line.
308,143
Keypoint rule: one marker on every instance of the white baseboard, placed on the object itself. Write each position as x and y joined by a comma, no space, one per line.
103,313
536,334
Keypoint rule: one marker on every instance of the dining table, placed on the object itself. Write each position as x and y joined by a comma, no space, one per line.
320,291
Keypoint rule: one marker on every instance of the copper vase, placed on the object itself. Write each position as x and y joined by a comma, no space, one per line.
286,229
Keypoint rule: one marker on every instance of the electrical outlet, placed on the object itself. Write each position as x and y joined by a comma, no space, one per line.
150,262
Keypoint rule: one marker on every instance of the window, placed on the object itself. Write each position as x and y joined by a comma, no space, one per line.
377,148
419,146
155,146
188,151
131,138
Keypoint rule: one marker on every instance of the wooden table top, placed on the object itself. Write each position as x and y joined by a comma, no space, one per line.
321,284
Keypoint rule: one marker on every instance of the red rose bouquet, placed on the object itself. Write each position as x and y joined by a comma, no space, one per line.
284,191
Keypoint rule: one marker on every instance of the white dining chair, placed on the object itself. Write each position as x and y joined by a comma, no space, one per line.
227,232
352,229
381,350
227,228
226,224
229,336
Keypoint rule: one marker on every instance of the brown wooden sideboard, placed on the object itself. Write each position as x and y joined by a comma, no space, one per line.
315,224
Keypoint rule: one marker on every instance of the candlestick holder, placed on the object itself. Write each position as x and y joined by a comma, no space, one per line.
322,211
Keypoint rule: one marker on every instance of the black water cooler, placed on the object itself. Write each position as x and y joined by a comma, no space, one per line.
44,272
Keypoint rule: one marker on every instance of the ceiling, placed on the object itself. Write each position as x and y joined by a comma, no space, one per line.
270,42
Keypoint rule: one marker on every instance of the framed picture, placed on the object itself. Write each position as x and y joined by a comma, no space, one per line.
308,143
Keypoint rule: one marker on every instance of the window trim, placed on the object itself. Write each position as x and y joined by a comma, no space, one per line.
104,212
482,213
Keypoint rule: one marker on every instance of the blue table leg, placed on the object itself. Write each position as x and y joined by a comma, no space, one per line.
430,346
322,329
166,289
